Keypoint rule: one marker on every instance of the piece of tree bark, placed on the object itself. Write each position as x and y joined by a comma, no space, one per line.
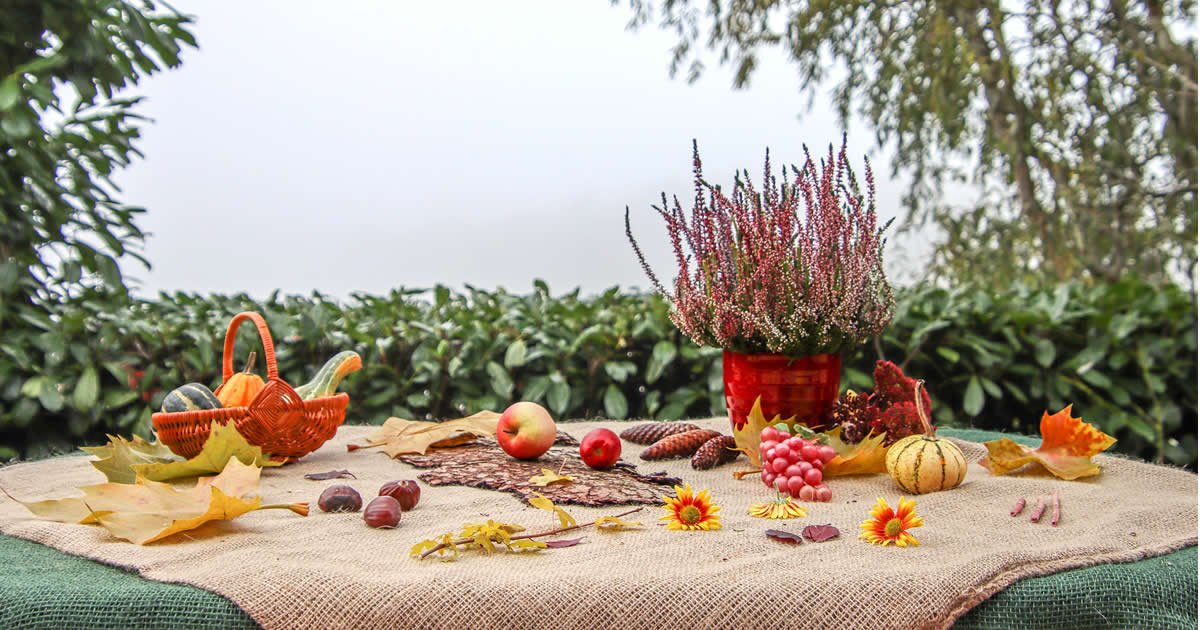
483,464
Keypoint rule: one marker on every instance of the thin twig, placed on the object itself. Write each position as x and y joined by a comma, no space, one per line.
1057,511
1018,508
560,530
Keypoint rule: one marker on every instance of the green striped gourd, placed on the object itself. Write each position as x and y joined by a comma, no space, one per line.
925,463
190,397
327,379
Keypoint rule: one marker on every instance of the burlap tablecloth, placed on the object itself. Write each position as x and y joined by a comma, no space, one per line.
329,570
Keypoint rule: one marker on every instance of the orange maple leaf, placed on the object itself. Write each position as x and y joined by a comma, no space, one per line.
1068,445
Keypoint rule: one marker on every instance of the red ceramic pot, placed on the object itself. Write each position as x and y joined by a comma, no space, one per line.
804,387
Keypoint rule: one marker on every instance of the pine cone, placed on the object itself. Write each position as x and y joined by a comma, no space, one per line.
651,432
715,452
679,445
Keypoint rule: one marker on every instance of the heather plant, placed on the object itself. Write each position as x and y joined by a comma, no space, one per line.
794,269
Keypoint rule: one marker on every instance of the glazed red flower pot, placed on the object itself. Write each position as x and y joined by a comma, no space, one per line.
804,387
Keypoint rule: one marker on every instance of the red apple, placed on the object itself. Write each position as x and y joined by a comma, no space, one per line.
600,448
525,430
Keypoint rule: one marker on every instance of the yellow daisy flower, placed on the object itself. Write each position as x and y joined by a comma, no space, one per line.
688,512
886,526
780,508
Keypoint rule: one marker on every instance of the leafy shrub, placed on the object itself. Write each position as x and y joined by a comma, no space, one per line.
1124,354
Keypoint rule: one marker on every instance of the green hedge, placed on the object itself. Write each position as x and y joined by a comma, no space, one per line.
1124,354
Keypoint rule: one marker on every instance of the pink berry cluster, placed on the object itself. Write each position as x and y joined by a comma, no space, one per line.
793,465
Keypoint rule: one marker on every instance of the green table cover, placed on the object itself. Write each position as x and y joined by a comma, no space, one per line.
41,587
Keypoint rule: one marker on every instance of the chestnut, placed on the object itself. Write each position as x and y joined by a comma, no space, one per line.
340,498
407,492
382,512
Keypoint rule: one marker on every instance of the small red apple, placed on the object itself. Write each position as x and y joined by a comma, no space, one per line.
600,448
525,430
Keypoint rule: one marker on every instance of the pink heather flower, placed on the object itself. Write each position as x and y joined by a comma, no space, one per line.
793,269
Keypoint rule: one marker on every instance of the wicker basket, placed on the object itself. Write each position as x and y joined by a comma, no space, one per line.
277,419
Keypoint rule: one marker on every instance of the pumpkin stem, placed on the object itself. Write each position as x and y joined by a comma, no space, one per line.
921,409
249,369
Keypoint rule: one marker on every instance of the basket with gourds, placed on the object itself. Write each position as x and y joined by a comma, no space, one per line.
287,422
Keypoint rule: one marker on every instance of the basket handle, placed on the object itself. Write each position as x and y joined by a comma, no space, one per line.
263,332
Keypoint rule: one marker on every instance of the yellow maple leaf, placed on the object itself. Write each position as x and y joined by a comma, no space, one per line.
123,461
749,436
1068,445
864,458
146,511
398,436
542,503
549,477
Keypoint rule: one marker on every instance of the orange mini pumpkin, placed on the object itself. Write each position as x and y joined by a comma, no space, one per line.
241,388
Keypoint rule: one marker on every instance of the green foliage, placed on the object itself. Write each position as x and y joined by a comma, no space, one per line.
1124,354
1075,121
63,233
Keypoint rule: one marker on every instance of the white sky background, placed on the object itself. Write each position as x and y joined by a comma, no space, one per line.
387,144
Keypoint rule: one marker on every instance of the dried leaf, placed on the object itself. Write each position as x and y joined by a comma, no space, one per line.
548,477
614,524
223,444
784,537
749,436
560,544
119,456
865,458
147,511
542,503
1068,445
331,474
820,533
398,436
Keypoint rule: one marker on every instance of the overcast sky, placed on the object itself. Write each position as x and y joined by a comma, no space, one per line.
389,144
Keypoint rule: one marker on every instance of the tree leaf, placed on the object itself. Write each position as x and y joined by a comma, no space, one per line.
49,396
867,457
398,436
146,511
784,537
1068,445
549,477
1044,352
330,474
119,456
542,503
973,397
615,405
820,533
515,355
224,443
87,389
558,396
661,356
749,436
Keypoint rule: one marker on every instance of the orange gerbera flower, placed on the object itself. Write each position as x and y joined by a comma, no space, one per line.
886,526
686,511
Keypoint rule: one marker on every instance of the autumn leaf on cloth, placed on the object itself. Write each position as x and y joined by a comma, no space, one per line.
1068,445
749,436
542,503
398,436
119,456
864,458
146,511
123,461
548,477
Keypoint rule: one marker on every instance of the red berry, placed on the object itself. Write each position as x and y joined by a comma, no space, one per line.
794,485
781,484
813,477
824,494
782,452
779,465
807,493
794,471
827,453
768,477
810,452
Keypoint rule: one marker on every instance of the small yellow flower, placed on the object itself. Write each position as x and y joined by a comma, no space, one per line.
783,507
688,512
886,526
